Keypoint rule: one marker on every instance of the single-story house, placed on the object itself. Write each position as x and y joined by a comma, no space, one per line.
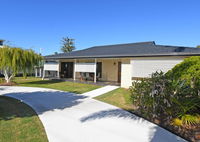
120,63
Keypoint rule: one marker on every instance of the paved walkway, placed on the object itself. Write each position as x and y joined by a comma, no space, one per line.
100,91
68,117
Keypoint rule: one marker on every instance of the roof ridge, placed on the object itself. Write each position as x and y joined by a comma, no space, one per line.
145,42
174,46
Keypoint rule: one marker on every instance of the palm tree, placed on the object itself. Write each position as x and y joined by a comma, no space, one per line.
15,60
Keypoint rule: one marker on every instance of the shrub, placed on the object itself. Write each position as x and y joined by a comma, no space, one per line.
188,70
151,95
171,96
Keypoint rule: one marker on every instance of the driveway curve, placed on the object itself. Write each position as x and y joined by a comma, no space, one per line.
69,117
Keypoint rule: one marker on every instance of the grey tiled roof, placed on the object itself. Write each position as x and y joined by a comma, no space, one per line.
140,49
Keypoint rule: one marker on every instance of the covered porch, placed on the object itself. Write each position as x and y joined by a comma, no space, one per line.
84,70
91,70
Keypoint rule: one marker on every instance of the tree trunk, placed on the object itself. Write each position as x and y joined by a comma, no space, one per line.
7,77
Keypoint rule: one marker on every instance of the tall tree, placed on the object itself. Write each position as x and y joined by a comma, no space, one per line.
67,45
15,60
198,46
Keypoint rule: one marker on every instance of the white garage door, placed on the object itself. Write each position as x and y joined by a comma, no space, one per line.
145,67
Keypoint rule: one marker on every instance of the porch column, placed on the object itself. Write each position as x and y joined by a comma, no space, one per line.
58,74
95,70
40,72
43,75
74,74
58,71
36,72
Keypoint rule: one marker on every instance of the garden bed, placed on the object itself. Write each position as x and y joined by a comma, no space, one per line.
8,84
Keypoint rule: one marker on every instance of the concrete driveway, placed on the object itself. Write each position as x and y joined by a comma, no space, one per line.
69,117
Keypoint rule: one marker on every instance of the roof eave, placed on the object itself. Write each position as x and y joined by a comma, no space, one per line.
124,56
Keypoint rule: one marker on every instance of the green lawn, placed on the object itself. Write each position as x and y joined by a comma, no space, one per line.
120,97
19,123
55,84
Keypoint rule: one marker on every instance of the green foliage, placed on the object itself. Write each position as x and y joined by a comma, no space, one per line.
188,70
175,94
14,60
187,120
190,119
67,45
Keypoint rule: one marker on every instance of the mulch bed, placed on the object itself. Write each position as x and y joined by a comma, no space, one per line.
191,133
8,84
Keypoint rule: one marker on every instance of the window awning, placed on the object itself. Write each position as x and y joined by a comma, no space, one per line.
85,67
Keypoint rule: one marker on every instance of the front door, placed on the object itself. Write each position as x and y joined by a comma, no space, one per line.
67,69
99,70
119,72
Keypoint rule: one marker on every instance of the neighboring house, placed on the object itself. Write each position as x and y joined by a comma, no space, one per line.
120,63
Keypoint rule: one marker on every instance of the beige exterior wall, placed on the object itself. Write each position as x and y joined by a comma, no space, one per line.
126,73
109,69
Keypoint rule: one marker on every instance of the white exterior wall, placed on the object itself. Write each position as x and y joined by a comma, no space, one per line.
85,67
51,66
126,73
144,67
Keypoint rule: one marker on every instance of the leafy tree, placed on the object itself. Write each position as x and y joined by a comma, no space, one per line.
198,46
67,45
15,60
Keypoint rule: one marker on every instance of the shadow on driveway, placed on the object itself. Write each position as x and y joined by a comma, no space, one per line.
156,133
119,113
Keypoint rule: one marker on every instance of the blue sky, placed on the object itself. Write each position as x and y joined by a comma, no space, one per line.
42,23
